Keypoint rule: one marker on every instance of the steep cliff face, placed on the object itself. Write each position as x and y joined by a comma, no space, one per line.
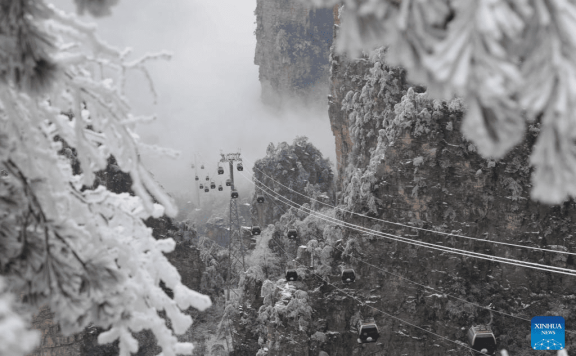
410,164
292,49
403,159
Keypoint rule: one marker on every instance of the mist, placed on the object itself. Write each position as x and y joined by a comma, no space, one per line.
208,93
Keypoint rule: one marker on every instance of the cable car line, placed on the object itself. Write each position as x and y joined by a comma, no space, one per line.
420,228
383,312
548,268
398,276
419,284
389,236
457,251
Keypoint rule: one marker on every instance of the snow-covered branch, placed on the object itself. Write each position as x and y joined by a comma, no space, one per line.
82,250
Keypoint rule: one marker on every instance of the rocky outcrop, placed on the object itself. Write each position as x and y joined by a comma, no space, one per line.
292,48
299,167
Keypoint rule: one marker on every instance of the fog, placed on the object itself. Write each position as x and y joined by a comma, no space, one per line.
209,92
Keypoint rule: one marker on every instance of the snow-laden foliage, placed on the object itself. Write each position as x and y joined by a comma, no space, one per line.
386,109
282,301
85,252
512,62
15,338
316,237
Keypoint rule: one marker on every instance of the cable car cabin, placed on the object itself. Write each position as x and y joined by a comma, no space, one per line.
292,233
197,178
291,275
256,230
234,194
482,339
207,178
201,186
368,332
228,182
192,165
206,189
260,199
212,185
202,167
220,170
220,188
348,275
239,167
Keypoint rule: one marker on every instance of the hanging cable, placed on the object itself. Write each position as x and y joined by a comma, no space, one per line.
383,312
416,283
514,262
419,228
398,276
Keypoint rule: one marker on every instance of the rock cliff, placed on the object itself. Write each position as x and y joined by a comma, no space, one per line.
292,49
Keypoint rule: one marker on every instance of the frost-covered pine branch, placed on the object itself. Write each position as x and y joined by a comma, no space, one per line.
85,252
512,62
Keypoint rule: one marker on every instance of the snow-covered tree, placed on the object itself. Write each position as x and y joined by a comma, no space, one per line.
512,62
83,251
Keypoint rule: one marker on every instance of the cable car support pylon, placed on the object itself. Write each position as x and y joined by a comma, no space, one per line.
236,249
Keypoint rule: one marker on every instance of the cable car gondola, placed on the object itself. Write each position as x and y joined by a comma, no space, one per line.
220,188
348,275
292,233
239,166
192,165
228,182
291,275
234,194
260,199
202,167
220,170
481,339
256,230
201,186
368,332
197,178
212,185
206,189
207,178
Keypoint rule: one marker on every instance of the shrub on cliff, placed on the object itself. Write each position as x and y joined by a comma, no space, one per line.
84,251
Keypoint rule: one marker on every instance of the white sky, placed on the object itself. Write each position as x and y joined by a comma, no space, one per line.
209,93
